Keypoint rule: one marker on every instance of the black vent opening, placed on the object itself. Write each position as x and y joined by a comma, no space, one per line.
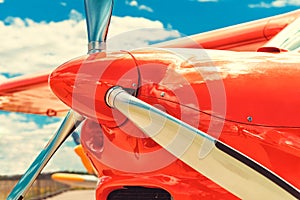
139,193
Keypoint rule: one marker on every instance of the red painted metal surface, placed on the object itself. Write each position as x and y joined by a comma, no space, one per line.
78,83
30,94
116,168
243,37
262,104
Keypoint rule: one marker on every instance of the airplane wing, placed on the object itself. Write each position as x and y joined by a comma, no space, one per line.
242,37
31,94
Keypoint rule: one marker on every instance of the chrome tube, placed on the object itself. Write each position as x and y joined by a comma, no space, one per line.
225,166
68,125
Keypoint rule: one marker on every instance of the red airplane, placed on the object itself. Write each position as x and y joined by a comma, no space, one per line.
210,116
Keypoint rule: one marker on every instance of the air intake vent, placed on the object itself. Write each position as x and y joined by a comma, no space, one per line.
139,193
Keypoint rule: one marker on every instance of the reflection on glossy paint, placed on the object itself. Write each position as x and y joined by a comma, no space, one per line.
252,89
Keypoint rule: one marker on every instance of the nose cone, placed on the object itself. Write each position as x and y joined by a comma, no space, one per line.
82,83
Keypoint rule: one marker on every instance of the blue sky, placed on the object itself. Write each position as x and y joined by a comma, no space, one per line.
39,35
187,16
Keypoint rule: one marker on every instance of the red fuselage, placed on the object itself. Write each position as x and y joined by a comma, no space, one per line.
249,101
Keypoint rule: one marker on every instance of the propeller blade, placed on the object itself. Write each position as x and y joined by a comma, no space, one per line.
98,15
71,121
230,169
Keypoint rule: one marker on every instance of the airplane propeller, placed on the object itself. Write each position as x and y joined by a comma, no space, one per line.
98,15
223,164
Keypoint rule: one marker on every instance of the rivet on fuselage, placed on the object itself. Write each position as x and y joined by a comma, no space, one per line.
250,119
162,94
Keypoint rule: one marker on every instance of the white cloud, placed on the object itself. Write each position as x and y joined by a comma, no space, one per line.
134,32
21,140
75,15
2,78
276,3
260,5
28,46
63,4
146,8
134,3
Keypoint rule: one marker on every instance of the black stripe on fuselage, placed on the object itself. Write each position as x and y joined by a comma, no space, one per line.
259,168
